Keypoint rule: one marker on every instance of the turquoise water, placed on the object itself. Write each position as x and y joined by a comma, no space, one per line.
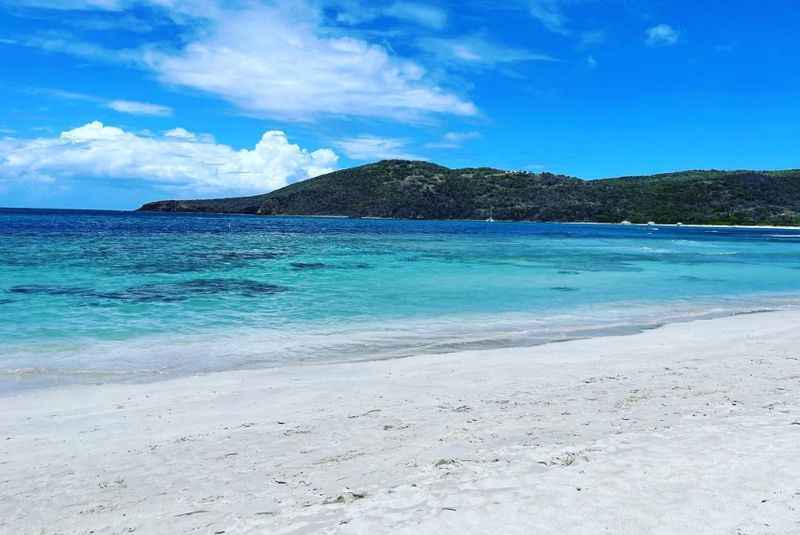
95,296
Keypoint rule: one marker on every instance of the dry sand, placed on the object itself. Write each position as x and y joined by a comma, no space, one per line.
691,428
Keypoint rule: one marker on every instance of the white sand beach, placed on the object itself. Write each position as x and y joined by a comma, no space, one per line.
691,428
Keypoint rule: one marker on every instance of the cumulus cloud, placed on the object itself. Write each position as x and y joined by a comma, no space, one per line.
139,108
661,35
179,159
280,63
367,147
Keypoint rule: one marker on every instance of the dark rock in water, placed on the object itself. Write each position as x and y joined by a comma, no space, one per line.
308,265
181,291
245,287
198,261
44,289
160,292
564,289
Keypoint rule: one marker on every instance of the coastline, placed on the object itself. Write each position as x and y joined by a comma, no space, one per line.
379,218
684,225
696,424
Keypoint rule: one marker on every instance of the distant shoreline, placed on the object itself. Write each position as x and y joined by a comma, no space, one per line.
381,218
690,225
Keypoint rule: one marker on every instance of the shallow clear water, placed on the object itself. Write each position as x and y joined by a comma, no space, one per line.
100,295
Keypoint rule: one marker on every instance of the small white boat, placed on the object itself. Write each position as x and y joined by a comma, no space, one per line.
490,219
626,222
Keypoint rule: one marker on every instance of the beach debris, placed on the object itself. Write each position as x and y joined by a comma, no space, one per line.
449,509
372,411
345,497
460,408
296,431
445,462
565,459
190,513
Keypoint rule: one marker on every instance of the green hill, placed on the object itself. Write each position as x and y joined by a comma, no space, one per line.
422,190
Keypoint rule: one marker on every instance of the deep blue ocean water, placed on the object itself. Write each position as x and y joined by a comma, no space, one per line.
98,296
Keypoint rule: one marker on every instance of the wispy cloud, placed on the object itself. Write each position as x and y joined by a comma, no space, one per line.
477,50
80,5
661,35
551,14
139,108
591,38
131,107
453,140
426,15
179,160
67,43
359,12
368,147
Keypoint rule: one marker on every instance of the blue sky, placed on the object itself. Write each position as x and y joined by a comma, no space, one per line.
111,103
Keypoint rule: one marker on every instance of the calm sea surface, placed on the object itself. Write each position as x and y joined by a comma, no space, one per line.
103,296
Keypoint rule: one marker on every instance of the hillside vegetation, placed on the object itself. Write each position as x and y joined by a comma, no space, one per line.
422,190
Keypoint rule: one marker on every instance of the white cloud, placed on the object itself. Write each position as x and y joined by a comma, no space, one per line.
180,133
453,140
591,38
67,5
662,34
476,50
178,160
131,107
280,63
366,147
139,108
66,43
430,16
356,12
551,15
